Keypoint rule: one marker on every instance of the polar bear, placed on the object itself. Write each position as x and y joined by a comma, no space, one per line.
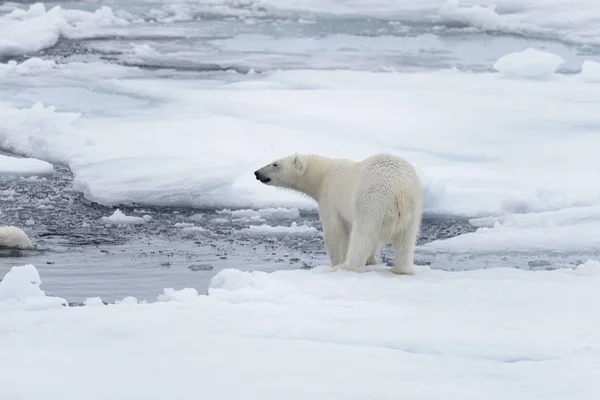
363,205
13,237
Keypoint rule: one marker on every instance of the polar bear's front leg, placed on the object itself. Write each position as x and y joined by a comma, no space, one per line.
336,237
372,260
363,245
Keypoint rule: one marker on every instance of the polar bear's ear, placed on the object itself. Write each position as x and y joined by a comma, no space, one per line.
299,163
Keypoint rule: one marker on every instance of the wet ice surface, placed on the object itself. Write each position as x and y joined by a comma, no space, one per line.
81,255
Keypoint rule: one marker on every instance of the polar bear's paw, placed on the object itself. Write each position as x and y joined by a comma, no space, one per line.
347,267
403,269
372,260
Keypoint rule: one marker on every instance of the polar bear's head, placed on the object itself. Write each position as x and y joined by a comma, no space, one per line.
285,172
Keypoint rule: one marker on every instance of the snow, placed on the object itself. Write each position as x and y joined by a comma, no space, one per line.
194,229
494,334
514,150
484,145
119,218
20,290
31,66
590,71
268,230
480,149
529,63
269,213
35,29
183,224
568,229
170,294
93,302
24,166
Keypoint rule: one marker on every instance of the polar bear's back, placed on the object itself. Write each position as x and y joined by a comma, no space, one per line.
388,169
389,181
13,237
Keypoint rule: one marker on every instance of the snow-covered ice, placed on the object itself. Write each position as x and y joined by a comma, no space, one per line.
24,166
493,334
119,218
590,71
280,230
194,229
36,28
512,147
26,29
20,290
479,153
271,213
529,63
567,229
31,66
484,145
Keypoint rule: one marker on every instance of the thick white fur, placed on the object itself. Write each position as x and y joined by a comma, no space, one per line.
13,237
362,205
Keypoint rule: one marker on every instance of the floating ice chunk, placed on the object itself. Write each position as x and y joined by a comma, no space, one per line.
547,219
118,217
129,300
194,229
196,217
27,31
275,213
170,294
590,71
35,29
574,228
93,302
31,66
483,17
588,268
41,130
152,180
183,225
24,166
279,213
530,64
20,283
20,288
143,50
268,230
14,237
241,214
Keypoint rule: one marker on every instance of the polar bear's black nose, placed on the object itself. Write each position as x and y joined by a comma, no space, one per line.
261,177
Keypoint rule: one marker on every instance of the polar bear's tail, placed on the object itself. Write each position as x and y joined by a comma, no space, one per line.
15,238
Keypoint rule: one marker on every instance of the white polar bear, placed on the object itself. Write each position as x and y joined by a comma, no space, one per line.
362,205
13,237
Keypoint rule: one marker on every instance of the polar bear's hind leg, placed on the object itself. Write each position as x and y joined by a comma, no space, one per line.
404,243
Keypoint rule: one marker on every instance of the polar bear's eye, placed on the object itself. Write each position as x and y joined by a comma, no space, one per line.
275,165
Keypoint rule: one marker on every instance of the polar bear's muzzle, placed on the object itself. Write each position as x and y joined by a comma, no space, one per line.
261,177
